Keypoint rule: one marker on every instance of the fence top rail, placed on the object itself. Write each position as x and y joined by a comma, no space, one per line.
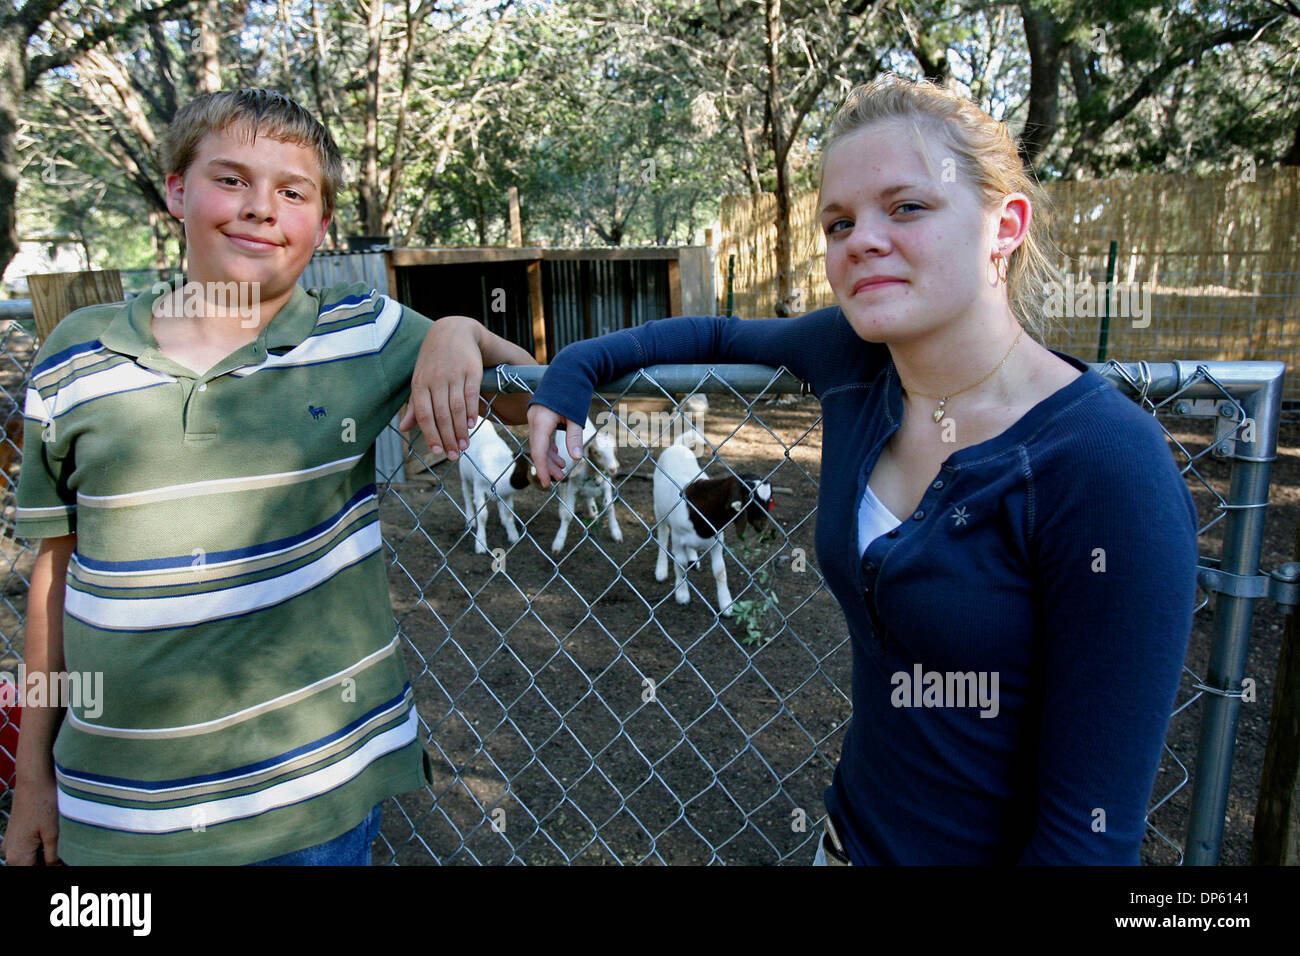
1164,378
18,309
1255,386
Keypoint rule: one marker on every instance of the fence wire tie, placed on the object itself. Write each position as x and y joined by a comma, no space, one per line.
1141,385
506,377
1144,370
1219,692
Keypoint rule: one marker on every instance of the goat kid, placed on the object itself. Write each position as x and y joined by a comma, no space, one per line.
588,478
692,511
487,466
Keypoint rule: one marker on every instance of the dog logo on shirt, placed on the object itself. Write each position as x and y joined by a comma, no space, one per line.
316,413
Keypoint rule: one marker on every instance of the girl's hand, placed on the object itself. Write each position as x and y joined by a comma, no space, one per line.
542,425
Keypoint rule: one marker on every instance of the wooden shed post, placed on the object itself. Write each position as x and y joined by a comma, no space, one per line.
674,287
56,294
539,312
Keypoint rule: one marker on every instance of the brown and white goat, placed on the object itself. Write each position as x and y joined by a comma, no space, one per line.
692,511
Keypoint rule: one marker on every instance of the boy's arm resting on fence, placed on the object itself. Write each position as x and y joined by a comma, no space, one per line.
445,398
34,820
1115,556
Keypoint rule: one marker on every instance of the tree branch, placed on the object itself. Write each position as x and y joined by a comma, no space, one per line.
40,65
36,12
1190,52
1081,147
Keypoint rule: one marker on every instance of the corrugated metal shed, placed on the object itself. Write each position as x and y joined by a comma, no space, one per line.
330,268
544,298
589,297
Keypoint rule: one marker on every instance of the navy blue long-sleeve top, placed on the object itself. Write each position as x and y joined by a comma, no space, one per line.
1058,557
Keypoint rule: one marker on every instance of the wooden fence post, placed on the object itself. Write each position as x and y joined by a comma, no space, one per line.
516,228
56,294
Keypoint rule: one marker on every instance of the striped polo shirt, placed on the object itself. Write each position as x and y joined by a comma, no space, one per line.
228,581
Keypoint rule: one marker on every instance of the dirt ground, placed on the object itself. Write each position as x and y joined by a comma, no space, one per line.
741,734
579,714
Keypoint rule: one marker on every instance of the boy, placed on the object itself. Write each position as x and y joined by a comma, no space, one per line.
200,468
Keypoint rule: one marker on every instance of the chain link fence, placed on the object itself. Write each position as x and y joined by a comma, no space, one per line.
574,711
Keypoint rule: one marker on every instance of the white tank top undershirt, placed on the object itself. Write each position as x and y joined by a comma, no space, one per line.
874,519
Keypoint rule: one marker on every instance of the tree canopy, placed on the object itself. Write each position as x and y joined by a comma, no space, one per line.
620,121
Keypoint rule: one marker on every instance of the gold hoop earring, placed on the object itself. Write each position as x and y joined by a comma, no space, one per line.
1001,266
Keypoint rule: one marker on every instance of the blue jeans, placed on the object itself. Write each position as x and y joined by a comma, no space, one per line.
349,849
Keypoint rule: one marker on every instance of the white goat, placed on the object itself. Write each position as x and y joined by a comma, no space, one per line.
587,477
692,411
683,425
488,465
692,510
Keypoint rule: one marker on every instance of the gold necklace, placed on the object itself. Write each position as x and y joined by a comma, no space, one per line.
943,399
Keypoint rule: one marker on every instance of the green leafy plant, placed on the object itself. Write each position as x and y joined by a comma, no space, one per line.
751,613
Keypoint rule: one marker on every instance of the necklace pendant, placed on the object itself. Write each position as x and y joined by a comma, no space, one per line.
938,412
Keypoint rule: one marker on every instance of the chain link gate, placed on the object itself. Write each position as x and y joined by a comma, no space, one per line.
575,712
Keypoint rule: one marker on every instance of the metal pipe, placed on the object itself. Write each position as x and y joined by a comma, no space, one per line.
660,379
1110,287
1243,537
20,310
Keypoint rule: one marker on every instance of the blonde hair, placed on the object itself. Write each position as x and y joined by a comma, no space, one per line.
259,112
985,154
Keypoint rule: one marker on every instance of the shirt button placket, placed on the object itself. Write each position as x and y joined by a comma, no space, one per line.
196,423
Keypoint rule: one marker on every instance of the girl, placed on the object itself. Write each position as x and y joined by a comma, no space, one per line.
1020,578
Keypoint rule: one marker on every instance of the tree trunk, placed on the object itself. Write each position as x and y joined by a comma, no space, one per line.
209,48
1046,50
480,219
159,227
780,153
1292,157
13,69
414,20
371,208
